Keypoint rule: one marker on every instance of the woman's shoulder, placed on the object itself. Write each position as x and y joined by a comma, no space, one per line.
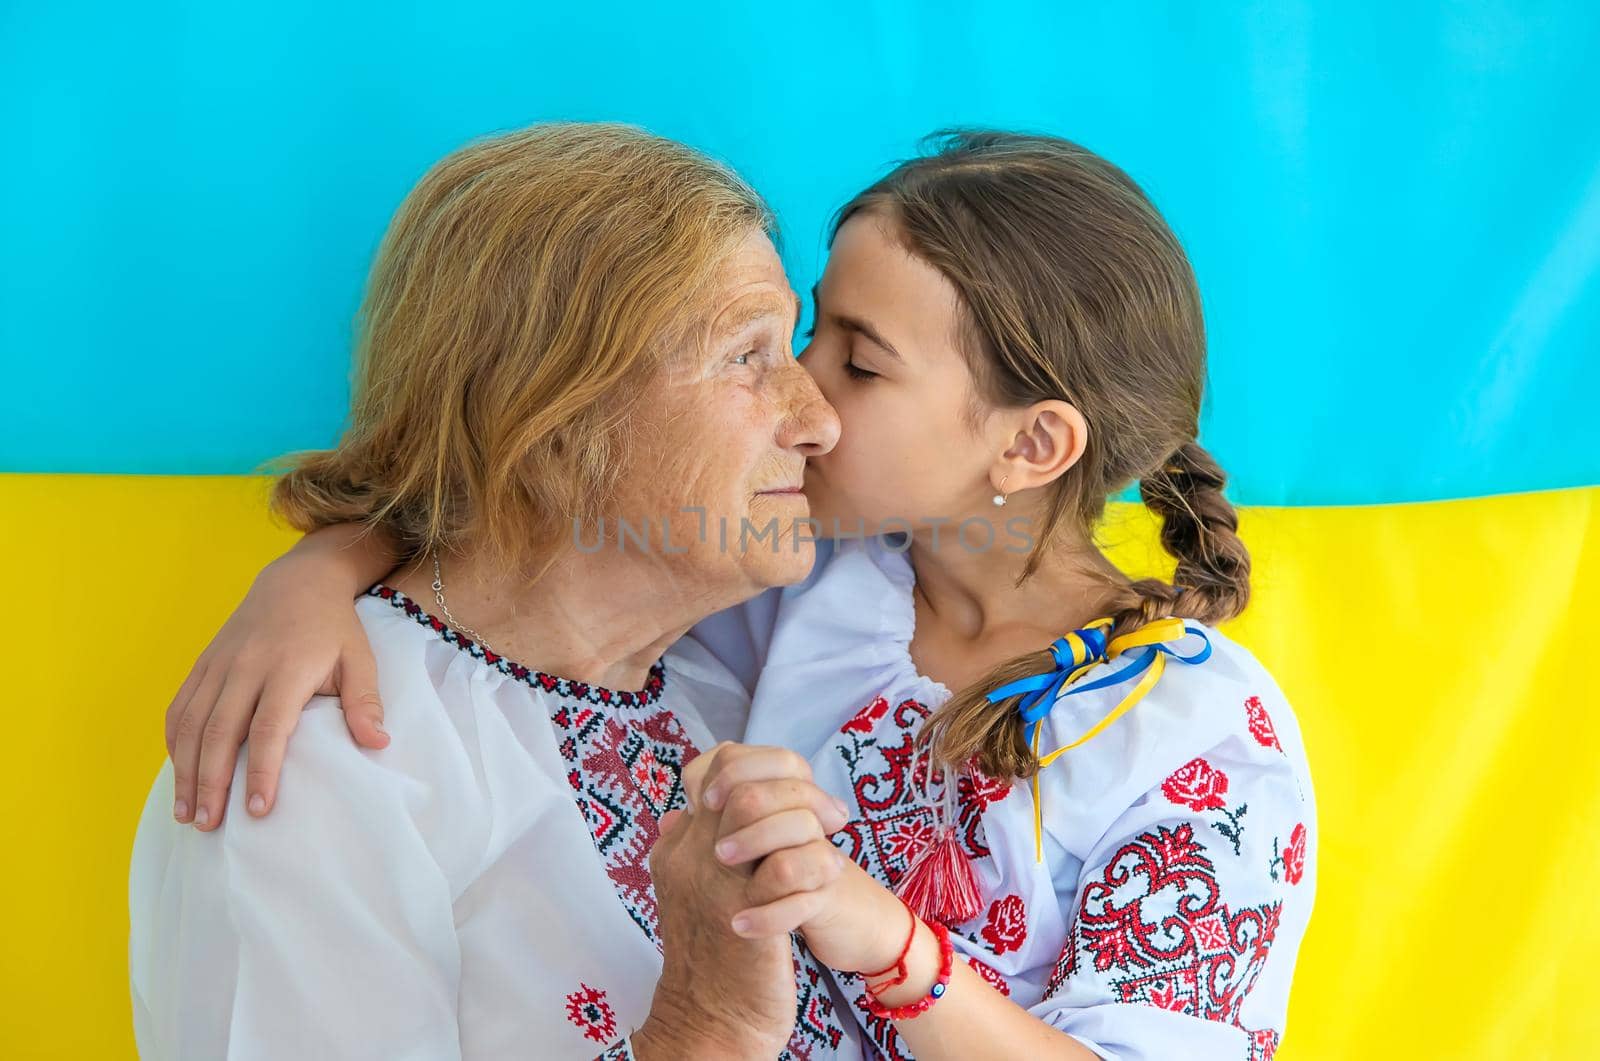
423,786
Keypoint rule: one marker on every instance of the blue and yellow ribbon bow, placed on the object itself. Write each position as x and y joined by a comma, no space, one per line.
1077,654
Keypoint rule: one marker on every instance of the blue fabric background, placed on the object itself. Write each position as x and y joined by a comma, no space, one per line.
1395,216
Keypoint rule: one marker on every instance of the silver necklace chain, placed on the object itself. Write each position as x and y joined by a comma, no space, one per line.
438,596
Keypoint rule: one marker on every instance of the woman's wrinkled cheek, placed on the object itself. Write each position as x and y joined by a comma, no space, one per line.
700,441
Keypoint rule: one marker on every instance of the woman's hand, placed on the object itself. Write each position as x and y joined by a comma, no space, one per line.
295,635
722,993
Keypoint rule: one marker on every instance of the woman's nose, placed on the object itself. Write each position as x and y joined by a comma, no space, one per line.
812,425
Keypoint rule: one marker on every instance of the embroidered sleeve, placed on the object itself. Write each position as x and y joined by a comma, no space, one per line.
621,1050
1177,944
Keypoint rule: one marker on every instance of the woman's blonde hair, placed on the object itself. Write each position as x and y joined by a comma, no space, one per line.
1074,288
524,294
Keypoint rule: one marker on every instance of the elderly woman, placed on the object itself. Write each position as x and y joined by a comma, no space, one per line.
574,359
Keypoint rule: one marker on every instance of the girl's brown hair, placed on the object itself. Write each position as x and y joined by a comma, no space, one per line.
524,293
1073,288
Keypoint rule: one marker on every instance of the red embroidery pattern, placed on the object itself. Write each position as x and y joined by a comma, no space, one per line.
1261,724
1200,786
986,790
620,773
1157,929
588,1009
995,980
893,823
1263,1045
1008,924
1293,858
816,1025
880,1030
625,772
867,717
1196,785
888,775
625,758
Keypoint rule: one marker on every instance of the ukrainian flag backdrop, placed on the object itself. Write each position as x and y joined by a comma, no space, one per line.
1395,215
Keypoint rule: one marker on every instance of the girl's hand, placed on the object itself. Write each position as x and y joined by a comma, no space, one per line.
773,816
772,823
852,923
295,635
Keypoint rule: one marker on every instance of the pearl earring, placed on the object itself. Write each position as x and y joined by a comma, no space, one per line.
1000,497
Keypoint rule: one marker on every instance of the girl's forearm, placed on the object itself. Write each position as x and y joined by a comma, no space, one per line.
345,555
972,1021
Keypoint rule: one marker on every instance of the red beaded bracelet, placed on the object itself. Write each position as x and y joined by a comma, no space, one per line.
922,1005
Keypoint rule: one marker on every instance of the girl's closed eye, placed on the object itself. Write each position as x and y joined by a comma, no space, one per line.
855,371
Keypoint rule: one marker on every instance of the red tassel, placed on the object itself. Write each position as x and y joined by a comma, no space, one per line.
940,884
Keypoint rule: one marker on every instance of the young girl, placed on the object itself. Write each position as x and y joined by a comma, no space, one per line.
1108,845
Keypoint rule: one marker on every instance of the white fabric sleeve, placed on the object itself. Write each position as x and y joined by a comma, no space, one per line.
1175,947
738,637
323,930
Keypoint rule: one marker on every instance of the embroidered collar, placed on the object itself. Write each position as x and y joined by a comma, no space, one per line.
538,679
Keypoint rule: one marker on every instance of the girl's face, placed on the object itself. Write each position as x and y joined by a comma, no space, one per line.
884,353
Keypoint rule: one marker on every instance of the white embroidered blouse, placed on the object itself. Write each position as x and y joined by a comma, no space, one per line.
1179,845
479,889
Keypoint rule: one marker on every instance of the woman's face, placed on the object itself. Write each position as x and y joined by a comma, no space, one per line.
728,432
884,353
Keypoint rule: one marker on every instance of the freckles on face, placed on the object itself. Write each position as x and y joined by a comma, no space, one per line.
884,352
712,432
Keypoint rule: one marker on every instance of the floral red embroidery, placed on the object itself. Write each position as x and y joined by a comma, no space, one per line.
1210,933
1154,922
862,721
1196,785
1261,724
588,1009
995,980
655,780
1293,857
906,837
889,779
1008,924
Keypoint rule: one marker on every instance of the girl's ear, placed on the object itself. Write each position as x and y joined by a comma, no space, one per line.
1049,439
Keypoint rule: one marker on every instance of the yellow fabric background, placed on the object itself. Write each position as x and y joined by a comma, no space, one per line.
1434,654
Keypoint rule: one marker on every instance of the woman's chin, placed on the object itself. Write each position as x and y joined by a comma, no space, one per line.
789,563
